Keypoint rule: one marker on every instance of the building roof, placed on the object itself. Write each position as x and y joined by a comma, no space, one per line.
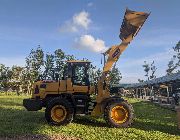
160,80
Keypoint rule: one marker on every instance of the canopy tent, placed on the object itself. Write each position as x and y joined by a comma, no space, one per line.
160,80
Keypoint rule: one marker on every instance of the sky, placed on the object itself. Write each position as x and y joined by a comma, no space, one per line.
85,28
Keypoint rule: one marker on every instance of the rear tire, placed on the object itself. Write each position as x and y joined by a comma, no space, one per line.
119,114
59,111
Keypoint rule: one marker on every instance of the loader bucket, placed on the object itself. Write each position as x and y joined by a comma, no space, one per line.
132,23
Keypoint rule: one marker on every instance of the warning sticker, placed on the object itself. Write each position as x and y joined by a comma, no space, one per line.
116,53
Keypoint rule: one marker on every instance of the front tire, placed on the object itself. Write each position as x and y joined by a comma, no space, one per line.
119,114
59,112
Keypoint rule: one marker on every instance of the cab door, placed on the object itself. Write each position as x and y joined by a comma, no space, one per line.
80,79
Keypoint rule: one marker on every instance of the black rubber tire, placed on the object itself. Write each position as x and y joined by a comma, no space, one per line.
59,101
126,105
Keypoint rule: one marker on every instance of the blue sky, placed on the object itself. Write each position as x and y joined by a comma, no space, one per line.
84,28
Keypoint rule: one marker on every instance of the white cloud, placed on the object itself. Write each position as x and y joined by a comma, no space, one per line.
68,27
88,42
78,22
90,4
82,19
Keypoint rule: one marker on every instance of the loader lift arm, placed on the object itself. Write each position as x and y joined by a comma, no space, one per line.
131,25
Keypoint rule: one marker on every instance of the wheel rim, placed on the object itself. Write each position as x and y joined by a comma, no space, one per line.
119,114
58,113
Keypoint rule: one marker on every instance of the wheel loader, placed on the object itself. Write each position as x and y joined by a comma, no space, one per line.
64,99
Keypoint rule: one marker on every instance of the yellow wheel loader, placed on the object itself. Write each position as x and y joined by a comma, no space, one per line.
65,98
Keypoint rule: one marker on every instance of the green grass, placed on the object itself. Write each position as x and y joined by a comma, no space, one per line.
152,122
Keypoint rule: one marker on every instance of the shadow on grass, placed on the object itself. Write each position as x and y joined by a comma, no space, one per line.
148,118
154,118
89,121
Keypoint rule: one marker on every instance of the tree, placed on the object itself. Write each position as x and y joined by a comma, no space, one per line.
153,70
140,80
49,67
96,75
70,57
59,61
146,69
16,79
171,66
5,77
25,81
34,62
177,50
174,63
115,76
150,70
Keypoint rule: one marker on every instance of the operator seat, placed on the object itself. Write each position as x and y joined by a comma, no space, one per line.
86,80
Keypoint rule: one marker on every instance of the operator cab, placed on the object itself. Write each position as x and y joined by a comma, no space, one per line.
77,70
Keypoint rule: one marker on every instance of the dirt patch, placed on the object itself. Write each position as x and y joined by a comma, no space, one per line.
39,137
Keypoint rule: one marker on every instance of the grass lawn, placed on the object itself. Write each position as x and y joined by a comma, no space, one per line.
151,122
